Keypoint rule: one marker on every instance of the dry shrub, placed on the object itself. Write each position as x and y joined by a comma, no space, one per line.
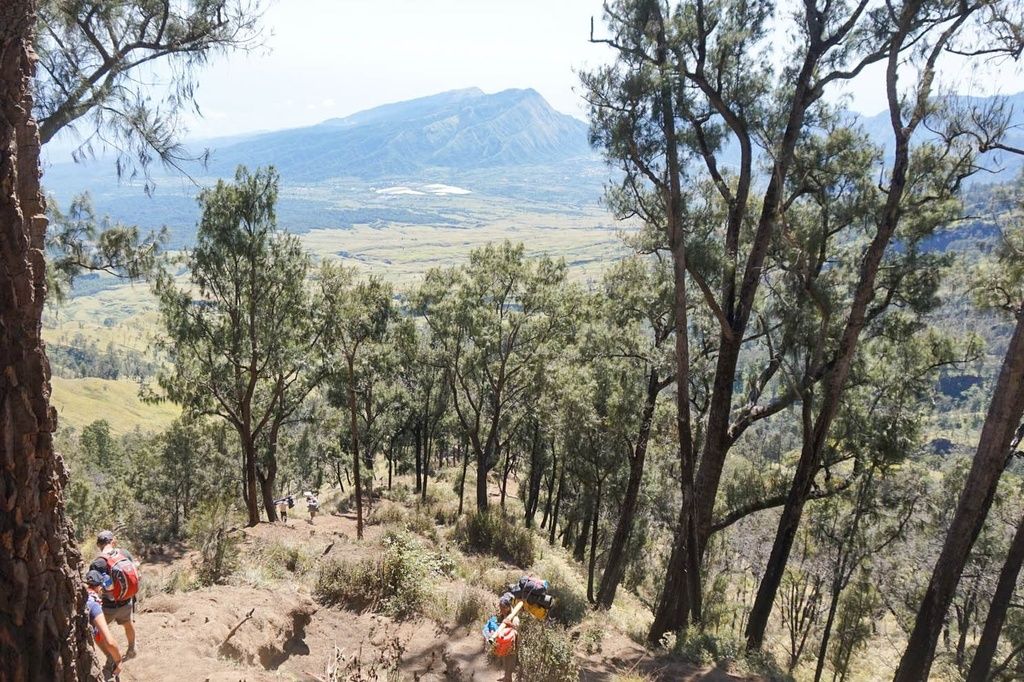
546,651
491,532
471,608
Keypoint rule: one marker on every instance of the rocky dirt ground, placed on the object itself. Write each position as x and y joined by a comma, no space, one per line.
261,626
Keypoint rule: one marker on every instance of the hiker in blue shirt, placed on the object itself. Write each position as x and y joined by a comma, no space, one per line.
94,581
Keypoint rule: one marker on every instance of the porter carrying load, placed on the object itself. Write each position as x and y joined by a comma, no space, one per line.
533,593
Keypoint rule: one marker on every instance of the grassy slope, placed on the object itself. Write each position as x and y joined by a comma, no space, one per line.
82,401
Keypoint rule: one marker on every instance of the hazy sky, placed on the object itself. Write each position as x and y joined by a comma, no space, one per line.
335,57
328,58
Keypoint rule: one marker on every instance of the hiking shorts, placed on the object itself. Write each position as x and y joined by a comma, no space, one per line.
122,615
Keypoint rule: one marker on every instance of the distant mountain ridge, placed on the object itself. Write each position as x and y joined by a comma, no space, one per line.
460,129
510,146
468,130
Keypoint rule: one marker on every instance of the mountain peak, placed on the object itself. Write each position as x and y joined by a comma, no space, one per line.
457,129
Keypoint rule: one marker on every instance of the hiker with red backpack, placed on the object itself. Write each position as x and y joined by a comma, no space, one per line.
121,584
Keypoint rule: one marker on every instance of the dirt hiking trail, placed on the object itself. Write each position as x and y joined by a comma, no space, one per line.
265,624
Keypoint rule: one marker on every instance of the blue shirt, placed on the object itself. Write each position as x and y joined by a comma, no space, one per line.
95,609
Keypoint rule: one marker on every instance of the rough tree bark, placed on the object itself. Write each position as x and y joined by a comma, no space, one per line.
44,633
428,438
594,523
250,483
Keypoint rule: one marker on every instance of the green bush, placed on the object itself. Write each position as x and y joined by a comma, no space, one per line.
546,653
350,584
345,503
446,514
175,580
422,524
385,514
591,637
405,570
210,532
398,585
282,559
490,531
400,492
704,648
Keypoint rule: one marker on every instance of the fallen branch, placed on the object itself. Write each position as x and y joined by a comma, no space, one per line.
235,629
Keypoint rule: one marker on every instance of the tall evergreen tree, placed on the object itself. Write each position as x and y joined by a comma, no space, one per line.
245,340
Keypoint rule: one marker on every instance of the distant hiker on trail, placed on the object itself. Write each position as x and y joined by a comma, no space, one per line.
94,581
502,633
283,505
312,506
121,584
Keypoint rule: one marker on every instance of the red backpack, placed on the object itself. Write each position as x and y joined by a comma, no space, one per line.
505,642
124,576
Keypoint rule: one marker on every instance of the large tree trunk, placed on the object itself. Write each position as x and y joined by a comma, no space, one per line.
673,608
550,487
593,543
506,470
355,446
579,550
982,663
249,485
558,504
417,439
785,534
44,632
267,483
826,634
1003,418
536,476
482,457
426,458
673,611
616,566
462,479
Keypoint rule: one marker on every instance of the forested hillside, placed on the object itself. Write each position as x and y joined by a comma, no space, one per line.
739,374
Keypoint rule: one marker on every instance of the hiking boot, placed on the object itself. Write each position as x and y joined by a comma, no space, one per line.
130,653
